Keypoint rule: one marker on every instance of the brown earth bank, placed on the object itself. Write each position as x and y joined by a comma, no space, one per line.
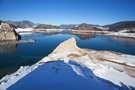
105,33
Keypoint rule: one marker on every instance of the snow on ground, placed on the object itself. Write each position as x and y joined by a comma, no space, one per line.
24,33
60,75
121,34
111,74
111,71
47,30
24,29
106,70
9,80
31,30
123,31
121,59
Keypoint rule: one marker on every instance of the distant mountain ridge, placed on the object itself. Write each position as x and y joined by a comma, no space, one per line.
45,26
129,25
22,24
68,26
116,24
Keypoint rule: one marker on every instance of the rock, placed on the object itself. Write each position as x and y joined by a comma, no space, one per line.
6,27
68,45
26,41
2,83
8,33
12,77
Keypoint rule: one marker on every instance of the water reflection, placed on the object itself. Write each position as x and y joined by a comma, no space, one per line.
7,47
50,33
84,36
69,32
126,42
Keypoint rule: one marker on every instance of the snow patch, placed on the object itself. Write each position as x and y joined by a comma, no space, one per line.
123,31
61,76
9,80
121,34
23,29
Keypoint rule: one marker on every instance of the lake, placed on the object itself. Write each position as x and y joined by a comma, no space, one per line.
22,54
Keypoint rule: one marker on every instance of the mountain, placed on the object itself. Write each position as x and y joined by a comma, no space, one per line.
84,26
96,25
115,24
45,26
68,26
22,24
128,25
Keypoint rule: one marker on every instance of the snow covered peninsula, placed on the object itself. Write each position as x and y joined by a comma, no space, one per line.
69,67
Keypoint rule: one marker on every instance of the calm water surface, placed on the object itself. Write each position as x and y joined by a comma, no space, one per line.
16,55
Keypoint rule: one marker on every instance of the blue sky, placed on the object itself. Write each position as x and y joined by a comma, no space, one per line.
58,12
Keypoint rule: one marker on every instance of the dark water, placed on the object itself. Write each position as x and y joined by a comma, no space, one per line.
16,55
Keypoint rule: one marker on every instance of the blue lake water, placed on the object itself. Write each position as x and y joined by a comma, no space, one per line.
22,54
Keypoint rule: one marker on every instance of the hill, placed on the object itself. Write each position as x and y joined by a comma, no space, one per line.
84,26
45,26
22,24
128,25
68,26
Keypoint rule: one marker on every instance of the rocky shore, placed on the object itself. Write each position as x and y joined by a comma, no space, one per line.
7,32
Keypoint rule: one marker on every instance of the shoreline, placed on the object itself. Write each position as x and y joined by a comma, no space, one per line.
106,33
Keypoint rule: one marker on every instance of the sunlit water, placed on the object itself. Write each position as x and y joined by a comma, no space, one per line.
16,55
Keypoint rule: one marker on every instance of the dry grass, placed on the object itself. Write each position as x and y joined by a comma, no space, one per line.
132,75
116,53
73,55
103,59
118,70
130,69
111,52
